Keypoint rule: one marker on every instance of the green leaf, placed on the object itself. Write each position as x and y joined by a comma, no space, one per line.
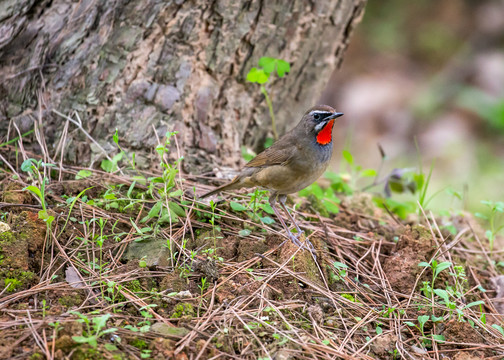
481,216
247,154
330,206
268,142
425,264
110,347
81,339
326,342
116,137
438,338
340,265
283,67
107,165
368,173
489,235
167,216
267,208
26,166
348,157
409,323
474,303
82,174
443,294
257,76
154,212
268,64
267,220
442,266
101,321
118,157
175,193
108,331
176,208
237,206
34,190
423,319
436,318
498,327
244,232
379,330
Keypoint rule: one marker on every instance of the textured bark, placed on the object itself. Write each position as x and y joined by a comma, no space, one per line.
150,65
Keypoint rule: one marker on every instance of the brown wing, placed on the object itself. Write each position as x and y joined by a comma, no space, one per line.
278,154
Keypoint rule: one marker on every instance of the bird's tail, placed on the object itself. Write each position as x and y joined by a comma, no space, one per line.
234,184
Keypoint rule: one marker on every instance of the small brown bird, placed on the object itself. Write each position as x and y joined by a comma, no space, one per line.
293,162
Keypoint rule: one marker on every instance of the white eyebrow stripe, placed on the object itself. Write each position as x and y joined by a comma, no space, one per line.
321,112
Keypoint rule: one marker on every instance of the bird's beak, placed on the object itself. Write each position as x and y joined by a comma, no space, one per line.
334,116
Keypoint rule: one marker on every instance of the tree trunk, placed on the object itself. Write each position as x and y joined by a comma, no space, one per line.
150,66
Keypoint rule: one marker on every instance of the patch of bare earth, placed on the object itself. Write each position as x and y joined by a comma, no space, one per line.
187,288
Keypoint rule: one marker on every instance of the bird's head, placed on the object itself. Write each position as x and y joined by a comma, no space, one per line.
319,121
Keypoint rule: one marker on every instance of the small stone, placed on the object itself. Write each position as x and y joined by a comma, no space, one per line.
167,330
4,227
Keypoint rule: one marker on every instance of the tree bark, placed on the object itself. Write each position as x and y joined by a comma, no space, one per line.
146,67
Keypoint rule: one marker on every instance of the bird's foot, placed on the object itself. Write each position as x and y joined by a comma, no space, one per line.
307,244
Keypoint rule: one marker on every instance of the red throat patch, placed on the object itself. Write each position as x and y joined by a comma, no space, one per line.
324,136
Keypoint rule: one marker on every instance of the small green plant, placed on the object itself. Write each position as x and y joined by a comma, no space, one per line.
44,308
258,205
95,329
426,341
145,354
436,270
161,188
144,325
261,75
356,171
324,200
32,167
257,209
494,218
341,271
203,286
213,206
113,293
12,285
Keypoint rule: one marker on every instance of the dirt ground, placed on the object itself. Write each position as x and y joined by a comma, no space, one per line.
102,283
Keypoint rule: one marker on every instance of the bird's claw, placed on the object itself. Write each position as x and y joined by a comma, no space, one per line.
307,245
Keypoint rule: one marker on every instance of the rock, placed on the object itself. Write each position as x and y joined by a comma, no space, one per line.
498,282
384,344
153,251
4,227
167,330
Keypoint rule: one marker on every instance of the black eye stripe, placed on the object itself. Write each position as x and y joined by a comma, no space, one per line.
321,115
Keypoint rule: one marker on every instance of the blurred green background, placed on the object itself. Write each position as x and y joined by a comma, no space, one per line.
432,71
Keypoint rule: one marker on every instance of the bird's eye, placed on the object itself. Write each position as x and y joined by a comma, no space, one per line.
316,116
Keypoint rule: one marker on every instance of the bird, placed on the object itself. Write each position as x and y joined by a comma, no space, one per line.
296,160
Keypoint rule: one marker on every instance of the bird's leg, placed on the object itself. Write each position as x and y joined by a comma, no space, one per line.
281,199
292,237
